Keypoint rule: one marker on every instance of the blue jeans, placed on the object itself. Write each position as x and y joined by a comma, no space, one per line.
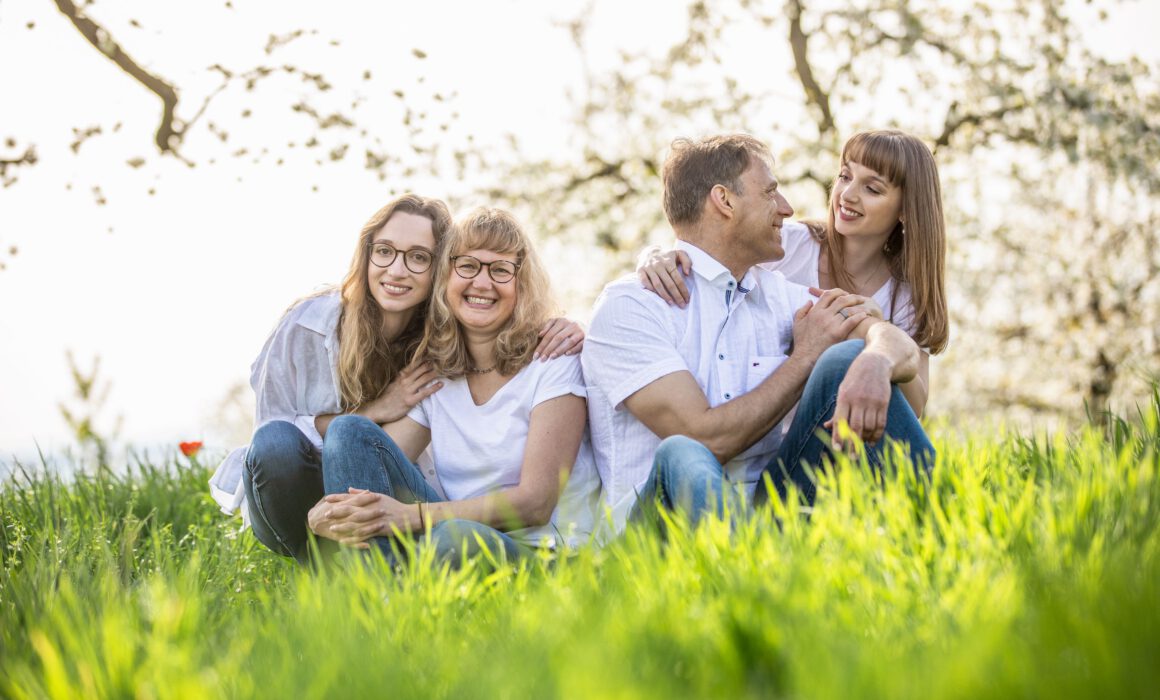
803,446
283,481
357,453
686,479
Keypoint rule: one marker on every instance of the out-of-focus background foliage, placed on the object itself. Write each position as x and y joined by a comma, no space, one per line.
229,154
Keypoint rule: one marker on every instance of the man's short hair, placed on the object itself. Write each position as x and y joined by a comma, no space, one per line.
695,166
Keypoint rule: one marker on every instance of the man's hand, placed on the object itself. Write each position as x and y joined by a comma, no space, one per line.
863,399
820,324
867,303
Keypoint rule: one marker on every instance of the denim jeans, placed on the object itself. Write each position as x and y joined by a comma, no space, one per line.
357,453
686,479
283,481
803,446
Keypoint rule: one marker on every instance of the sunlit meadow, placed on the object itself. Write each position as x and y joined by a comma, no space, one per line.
1028,566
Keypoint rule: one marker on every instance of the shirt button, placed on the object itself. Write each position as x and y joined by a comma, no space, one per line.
720,357
728,396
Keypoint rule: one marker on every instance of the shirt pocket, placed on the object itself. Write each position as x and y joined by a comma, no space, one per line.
759,367
758,370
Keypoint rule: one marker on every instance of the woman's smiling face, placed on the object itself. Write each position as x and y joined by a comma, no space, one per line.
481,303
865,203
396,288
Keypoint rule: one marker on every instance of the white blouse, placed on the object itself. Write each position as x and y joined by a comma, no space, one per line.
295,379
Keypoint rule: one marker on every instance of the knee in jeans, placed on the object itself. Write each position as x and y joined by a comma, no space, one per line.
347,427
837,358
275,444
676,446
454,536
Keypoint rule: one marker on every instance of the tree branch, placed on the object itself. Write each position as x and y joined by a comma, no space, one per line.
169,133
955,122
801,62
28,158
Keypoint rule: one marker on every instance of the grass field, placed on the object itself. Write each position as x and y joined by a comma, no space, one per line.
1028,567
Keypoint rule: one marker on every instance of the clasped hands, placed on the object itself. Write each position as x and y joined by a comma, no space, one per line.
354,517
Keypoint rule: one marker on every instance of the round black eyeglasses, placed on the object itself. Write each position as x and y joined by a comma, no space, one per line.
499,271
416,260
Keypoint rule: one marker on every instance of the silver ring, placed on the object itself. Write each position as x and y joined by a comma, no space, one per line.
844,313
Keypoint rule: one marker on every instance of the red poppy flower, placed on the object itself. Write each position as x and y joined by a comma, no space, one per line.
189,449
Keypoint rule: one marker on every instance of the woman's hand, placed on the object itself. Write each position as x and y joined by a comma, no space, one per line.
416,382
353,518
659,274
560,336
866,304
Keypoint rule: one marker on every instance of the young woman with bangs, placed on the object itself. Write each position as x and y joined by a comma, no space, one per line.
884,239
507,435
348,351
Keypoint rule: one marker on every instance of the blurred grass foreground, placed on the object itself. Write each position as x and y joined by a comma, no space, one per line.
1029,566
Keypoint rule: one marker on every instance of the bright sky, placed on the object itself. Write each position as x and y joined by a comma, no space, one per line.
176,292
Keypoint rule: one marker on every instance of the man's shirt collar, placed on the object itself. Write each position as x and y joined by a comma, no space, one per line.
717,275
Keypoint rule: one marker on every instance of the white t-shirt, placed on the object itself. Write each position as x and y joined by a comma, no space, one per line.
478,449
800,265
730,337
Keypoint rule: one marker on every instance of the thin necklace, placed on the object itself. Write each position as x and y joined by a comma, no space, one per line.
476,370
870,276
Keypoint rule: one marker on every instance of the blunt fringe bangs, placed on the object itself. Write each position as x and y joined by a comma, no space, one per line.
916,248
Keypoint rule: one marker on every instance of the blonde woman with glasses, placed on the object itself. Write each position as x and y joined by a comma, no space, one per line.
345,351
507,434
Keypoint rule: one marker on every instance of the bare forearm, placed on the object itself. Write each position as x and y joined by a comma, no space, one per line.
730,428
508,509
321,423
915,392
899,349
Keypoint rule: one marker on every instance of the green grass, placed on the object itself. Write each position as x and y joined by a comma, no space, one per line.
1028,567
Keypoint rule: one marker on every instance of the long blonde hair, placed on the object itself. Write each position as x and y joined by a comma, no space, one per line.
367,361
443,343
917,253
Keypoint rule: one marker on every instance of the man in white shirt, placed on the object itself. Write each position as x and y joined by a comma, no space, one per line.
724,371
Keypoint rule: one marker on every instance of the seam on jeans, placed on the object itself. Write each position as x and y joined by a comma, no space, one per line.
310,455
261,511
383,452
797,462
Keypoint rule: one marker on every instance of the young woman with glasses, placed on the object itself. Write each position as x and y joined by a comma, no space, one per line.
884,239
508,435
346,350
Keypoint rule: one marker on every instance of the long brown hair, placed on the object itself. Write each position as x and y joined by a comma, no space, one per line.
498,231
367,361
918,256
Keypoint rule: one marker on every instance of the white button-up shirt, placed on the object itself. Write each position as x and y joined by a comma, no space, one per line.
730,337
295,378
